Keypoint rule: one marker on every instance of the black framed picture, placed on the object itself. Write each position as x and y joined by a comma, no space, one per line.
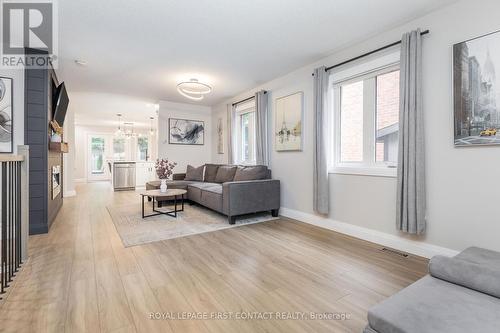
186,132
6,115
476,94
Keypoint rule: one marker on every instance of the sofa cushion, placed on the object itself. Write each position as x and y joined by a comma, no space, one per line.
210,172
256,172
193,173
474,268
481,256
214,189
194,191
225,173
433,305
212,198
203,185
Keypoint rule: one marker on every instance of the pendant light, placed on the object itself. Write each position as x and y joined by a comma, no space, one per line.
151,130
119,132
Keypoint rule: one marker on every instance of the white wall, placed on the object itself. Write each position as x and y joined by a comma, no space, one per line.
462,184
69,158
195,155
219,111
18,108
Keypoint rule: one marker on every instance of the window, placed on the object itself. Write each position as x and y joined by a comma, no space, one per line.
387,115
366,122
118,148
245,133
351,120
142,148
97,158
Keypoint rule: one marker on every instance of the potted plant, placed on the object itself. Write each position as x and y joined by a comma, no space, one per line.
164,169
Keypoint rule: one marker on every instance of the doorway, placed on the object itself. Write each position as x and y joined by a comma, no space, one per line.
98,157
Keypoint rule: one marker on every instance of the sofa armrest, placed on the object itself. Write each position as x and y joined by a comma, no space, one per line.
250,196
178,176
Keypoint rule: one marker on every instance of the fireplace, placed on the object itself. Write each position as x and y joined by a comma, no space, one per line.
56,181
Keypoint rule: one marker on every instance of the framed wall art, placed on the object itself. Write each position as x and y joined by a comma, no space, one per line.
288,122
6,115
476,91
186,132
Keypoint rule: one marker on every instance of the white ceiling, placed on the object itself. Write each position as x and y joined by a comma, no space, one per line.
100,109
144,48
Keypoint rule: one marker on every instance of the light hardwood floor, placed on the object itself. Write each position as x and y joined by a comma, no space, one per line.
80,278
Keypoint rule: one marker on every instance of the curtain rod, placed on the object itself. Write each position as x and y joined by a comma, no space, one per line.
246,99
425,32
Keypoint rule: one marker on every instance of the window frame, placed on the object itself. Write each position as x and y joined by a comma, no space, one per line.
369,166
124,149
102,155
240,110
137,148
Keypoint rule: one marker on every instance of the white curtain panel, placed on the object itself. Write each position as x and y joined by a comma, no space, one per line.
321,199
230,137
411,199
261,128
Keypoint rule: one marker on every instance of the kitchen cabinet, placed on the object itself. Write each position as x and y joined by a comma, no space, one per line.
145,172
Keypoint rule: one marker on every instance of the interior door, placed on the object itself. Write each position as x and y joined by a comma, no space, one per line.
98,157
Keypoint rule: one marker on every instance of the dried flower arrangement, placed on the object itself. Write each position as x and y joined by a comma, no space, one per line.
164,168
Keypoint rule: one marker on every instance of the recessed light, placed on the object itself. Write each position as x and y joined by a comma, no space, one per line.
81,62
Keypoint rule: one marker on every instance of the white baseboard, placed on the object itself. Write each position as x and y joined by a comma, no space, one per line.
80,180
69,193
421,249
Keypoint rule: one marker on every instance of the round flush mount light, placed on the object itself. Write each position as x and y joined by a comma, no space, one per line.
193,89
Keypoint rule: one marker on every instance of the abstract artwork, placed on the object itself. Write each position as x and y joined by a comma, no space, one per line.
476,91
288,124
6,135
220,137
186,132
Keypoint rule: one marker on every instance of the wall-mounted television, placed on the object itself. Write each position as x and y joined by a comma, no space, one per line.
61,102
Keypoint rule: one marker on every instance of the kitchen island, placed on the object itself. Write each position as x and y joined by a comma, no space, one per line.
127,175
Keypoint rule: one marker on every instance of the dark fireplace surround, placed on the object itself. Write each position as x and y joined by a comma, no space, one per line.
46,165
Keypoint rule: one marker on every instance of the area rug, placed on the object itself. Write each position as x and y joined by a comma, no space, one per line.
134,230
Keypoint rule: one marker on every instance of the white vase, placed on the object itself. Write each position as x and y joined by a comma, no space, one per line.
163,185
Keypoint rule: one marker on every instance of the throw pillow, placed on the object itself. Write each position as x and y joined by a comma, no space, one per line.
256,172
195,174
225,173
211,172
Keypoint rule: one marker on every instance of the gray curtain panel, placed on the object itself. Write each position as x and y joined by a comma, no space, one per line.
321,185
411,164
230,131
261,128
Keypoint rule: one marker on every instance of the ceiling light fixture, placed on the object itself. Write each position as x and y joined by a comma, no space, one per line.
119,132
193,89
128,129
81,62
151,130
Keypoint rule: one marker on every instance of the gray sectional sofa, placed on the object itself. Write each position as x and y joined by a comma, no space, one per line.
229,189
460,294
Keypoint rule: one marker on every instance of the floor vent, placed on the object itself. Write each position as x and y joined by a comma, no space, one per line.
401,254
